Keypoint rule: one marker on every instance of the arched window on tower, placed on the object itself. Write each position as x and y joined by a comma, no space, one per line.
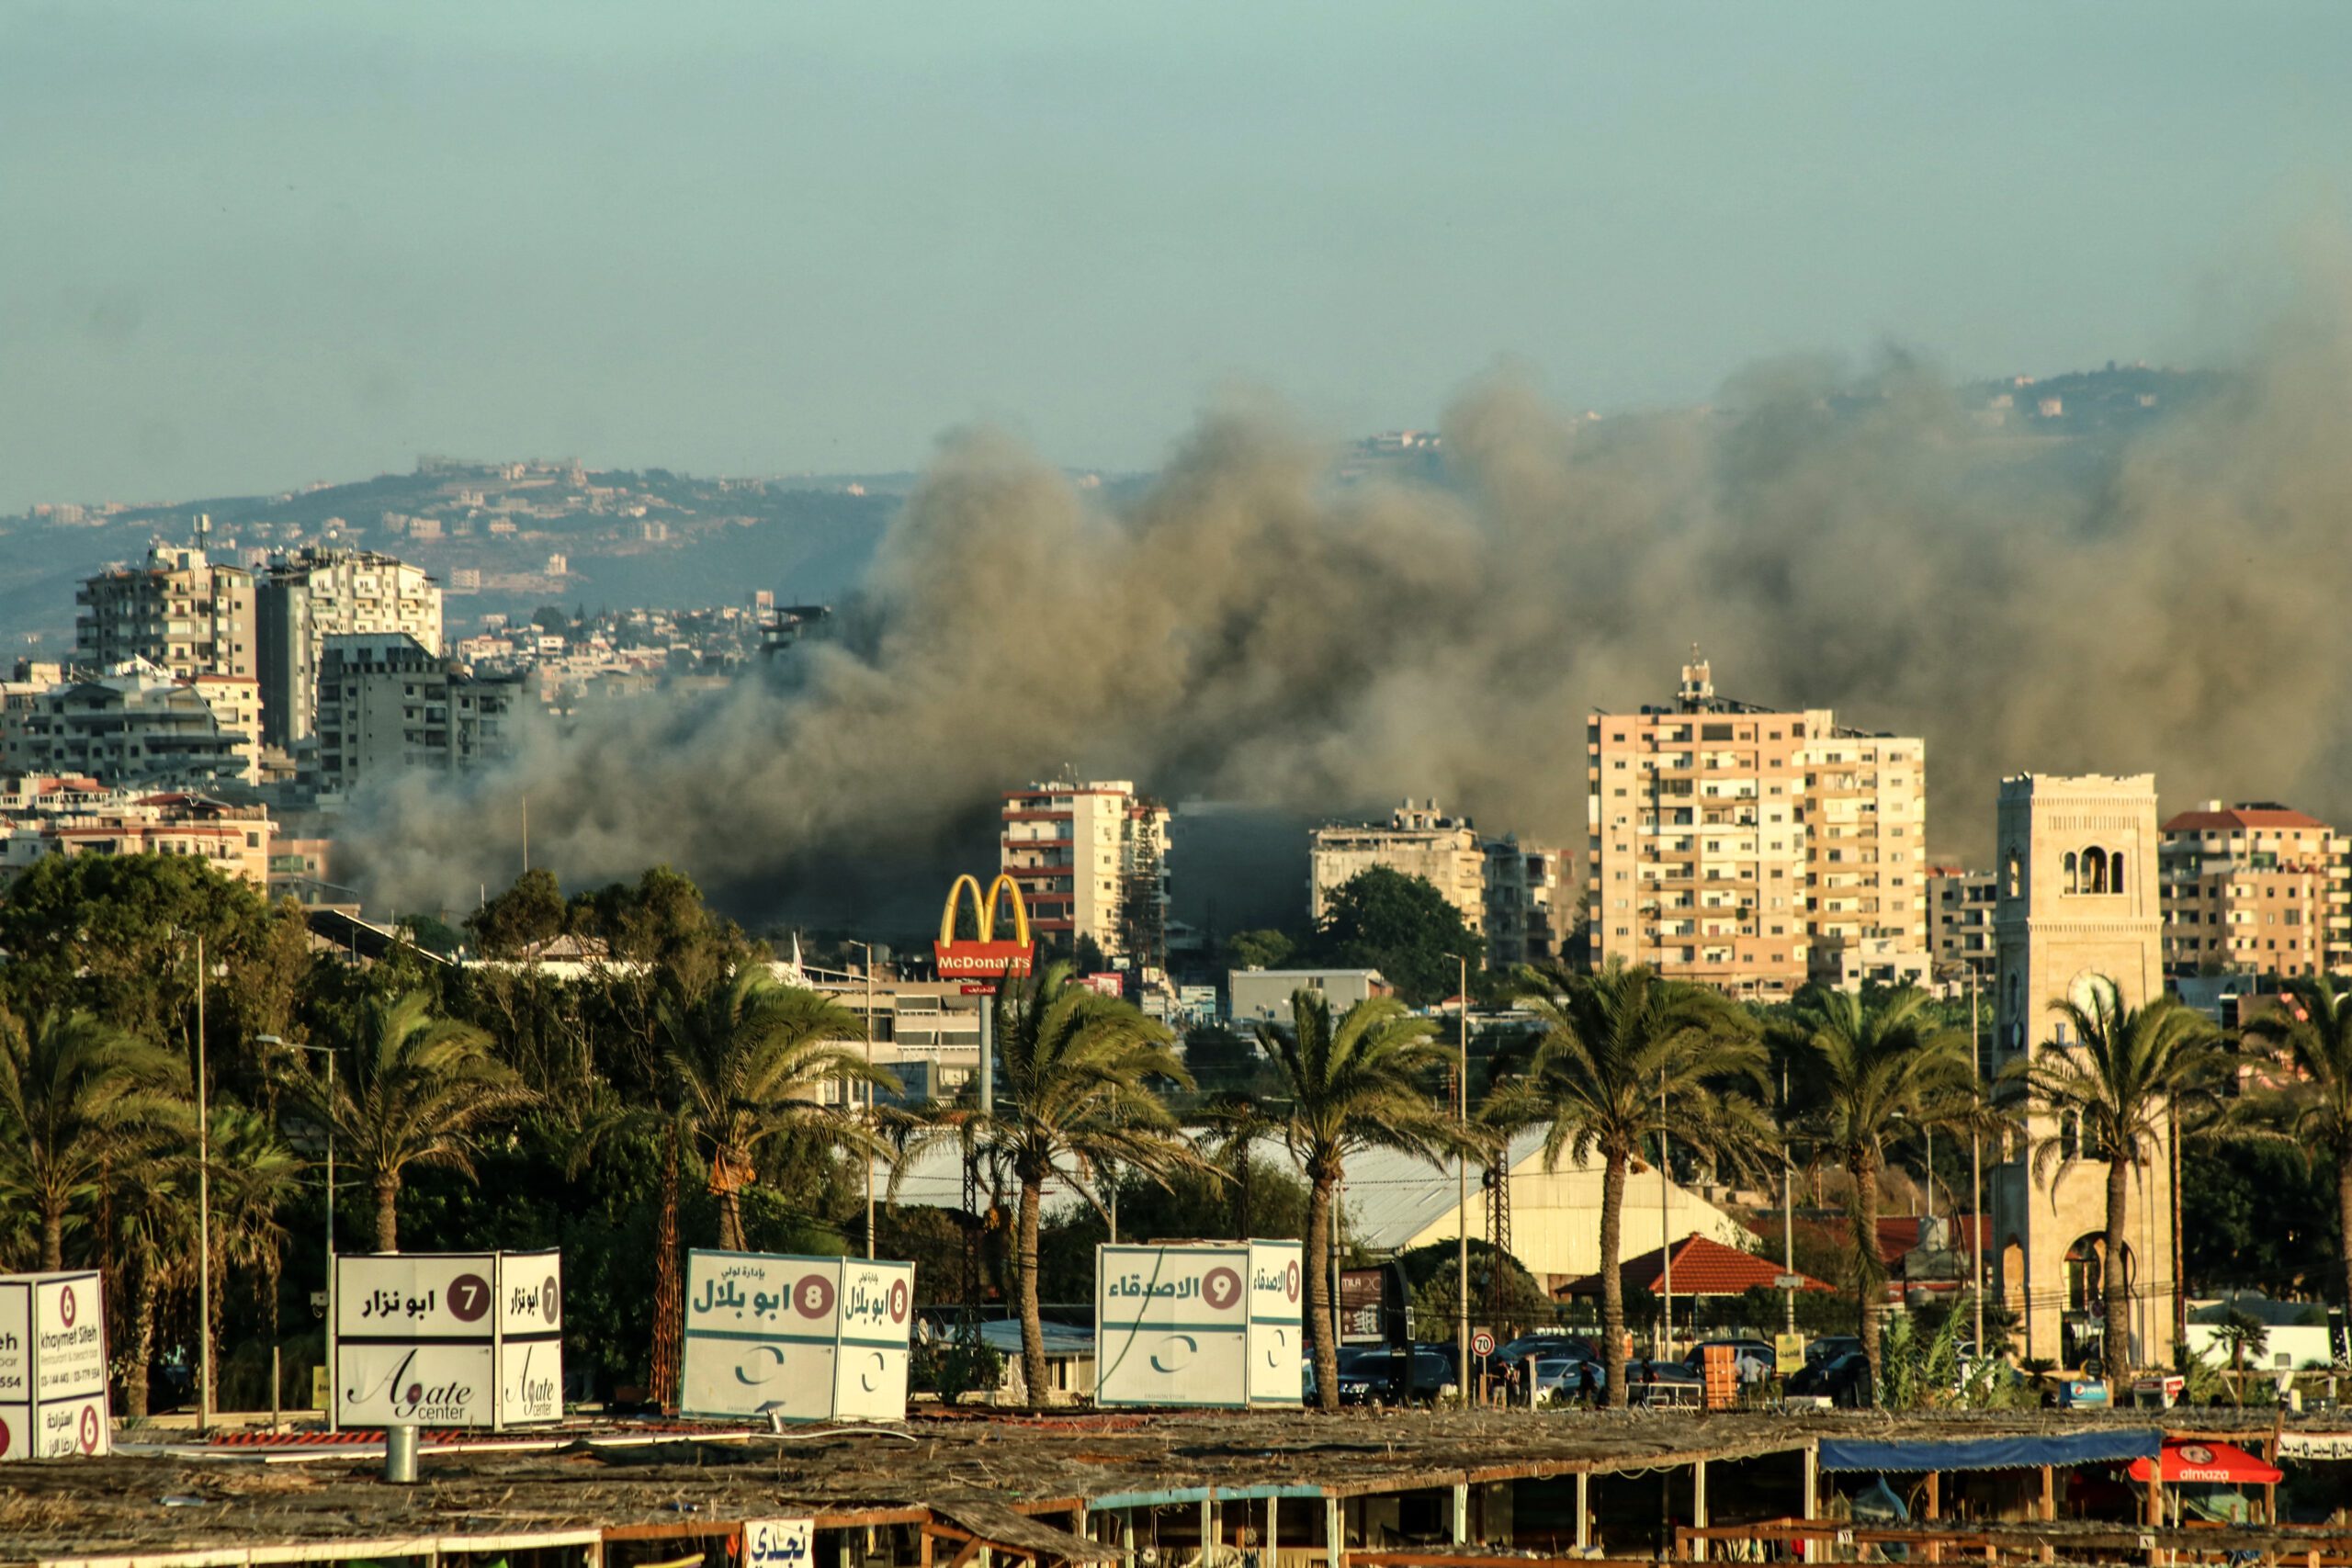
2114,871
2015,874
2073,877
2094,870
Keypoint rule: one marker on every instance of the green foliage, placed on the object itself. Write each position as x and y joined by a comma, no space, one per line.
1223,1062
525,916
2255,1215
1432,1270
1259,949
1402,926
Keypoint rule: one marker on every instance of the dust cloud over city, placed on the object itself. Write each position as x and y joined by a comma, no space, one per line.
1250,627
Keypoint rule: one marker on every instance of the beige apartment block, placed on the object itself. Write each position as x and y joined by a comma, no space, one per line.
1752,848
306,596
1417,839
2079,910
177,611
1092,860
2258,888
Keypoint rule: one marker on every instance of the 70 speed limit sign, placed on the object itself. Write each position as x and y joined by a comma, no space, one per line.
1482,1342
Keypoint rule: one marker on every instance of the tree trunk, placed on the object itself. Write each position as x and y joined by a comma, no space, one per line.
142,1344
1317,1295
2343,1218
52,1239
730,1221
1612,1284
2115,1287
668,1289
1870,1295
388,1218
1032,1328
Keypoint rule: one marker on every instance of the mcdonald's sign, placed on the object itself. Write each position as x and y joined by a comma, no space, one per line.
982,956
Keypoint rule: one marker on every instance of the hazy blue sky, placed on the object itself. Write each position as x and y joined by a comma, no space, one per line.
246,246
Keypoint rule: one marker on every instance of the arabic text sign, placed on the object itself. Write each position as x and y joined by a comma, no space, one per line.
53,1367
449,1339
1172,1324
1277,1330
798,1339
779,1543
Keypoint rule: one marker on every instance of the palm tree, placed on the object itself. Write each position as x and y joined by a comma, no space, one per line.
751,1057
1362,1083
2124,1072
2314,1029
1870,1073
152,1211
414,1089
1076,1091
254,1176
74,1092
1626,1056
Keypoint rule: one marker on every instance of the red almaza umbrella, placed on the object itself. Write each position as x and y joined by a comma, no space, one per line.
2196,1463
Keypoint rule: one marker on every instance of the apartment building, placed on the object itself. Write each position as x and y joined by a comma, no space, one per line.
1959,921
1530,903
177,611
1417,839
1752,849
307,596
1092,860
43,815
136,724
2257,887
387,703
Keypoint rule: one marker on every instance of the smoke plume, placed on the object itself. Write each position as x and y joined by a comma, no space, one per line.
1250,627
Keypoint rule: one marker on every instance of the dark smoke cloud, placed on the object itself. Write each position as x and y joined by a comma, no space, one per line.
1250,628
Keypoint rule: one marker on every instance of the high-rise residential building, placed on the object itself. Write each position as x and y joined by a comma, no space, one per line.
1531,909
2256,887
1417,839
177,611
1959,921
136,724
1752,848
2077,917
1092,860
387,703
307,596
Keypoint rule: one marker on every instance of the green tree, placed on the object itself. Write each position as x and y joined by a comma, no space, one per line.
2242,1335
2313,1028
524,916
411,1088
255,1178
1626,1056
751,1058
1873,1073
2118,1074
1076,1091
1264,948
76,1094
1402,926
1362,1083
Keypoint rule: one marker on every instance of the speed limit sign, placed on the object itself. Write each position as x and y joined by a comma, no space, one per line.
1482,1342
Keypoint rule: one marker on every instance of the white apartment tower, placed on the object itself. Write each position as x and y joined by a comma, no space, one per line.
307,596
2079,907
1092,860
1752,849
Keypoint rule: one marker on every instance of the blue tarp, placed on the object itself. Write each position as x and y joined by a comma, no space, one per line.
1992,1453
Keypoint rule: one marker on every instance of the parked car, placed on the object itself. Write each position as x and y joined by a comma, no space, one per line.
1420,1376
1575,1347
1753,1358
1829,1346
1564,1380
1843,1380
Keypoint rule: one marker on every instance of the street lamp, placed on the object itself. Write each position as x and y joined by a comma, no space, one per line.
1462,1175
866,950
328,1338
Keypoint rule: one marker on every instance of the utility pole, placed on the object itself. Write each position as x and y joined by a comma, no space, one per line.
1665,1225
1788,1209
1975,1163
203,1204
866,950
1462,1179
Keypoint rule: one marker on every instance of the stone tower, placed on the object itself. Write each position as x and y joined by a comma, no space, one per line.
2077,904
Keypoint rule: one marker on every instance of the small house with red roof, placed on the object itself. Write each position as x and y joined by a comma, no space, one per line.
1701,1267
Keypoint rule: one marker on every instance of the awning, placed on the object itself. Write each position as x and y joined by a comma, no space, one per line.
1992,1453
2193,1462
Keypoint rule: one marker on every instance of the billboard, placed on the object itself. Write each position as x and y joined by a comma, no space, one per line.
982,957
53,1366
448,1338
1211,1324
797,1338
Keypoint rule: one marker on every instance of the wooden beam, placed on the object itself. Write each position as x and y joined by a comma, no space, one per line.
1935,1495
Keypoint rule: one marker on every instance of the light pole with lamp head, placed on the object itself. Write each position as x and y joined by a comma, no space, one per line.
866,951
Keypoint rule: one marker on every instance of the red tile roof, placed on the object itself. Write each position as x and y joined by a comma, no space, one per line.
2240,818
1701,1267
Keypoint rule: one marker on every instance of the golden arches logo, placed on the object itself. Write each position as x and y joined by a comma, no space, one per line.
983,956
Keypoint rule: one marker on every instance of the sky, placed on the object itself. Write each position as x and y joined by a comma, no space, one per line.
244,245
